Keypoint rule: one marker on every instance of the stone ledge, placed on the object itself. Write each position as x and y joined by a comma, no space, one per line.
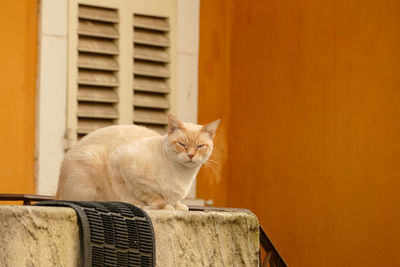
49,236
36,236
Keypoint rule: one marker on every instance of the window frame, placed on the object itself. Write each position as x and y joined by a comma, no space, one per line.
54,133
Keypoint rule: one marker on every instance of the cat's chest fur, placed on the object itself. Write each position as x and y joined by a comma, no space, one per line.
173,187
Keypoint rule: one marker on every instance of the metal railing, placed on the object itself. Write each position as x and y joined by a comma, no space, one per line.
26,198
272,257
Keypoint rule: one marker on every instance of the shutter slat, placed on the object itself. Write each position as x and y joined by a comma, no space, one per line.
150,100
150,53
98,13
150,22
150,85
151,116
97,29
150,69
97,110
150,38
99,78
95,94
95,45
86,126
99,62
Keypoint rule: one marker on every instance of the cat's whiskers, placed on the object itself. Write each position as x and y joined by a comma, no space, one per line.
213,161
212,165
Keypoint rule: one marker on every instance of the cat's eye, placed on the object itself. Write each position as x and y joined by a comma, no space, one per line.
199,146
182,144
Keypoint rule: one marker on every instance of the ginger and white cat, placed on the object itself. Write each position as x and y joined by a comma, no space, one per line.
134,164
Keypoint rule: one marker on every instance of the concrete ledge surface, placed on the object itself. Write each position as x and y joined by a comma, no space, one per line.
49,236
38,236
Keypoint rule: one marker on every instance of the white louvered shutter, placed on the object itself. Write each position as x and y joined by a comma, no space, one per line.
151,71
97,67
122,64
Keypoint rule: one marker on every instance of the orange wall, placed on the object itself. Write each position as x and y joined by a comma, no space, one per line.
18,54
313,107
214,84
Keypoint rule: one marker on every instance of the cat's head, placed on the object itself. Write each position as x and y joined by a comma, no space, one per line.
189,144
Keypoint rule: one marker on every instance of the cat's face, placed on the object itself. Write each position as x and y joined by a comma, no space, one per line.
190,144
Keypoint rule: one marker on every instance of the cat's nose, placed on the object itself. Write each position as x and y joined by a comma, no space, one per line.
190,156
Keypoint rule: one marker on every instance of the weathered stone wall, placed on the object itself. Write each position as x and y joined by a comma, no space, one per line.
38,236
49,236
205,238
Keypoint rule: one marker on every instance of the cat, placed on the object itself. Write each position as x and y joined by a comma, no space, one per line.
134,164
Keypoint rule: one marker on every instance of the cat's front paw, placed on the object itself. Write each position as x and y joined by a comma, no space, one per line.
181,206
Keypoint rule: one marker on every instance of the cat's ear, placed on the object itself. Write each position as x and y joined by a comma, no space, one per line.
211,128
173,124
